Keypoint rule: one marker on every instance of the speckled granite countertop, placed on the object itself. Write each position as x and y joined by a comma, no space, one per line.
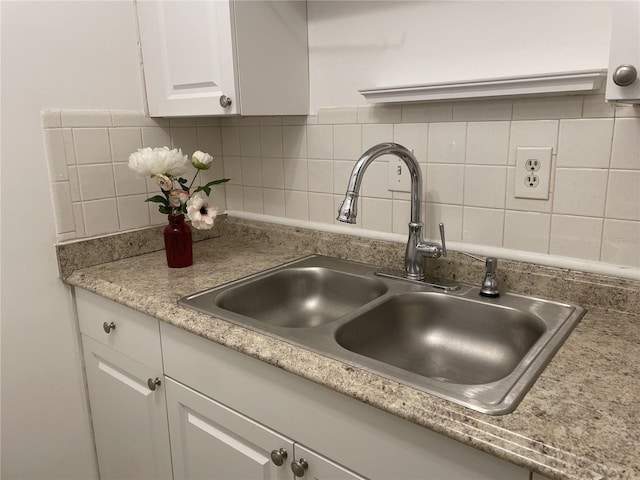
581,420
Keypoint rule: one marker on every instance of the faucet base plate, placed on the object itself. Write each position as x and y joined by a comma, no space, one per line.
446,285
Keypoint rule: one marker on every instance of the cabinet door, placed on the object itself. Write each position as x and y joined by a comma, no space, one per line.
319,467
129,419
187,52
209,440
624,49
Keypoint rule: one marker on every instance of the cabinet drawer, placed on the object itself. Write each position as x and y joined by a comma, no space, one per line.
135,335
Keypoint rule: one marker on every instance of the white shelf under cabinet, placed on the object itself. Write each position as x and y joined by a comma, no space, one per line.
540,84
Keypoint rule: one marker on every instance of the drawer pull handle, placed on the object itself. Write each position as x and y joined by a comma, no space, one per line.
153,383
298,468
278,457
107,327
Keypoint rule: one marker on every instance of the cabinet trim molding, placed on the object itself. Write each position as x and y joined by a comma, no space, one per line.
539,84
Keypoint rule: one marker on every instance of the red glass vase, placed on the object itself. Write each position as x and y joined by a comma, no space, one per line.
177,242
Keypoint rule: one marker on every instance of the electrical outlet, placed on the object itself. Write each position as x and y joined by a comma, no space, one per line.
533,172
399,178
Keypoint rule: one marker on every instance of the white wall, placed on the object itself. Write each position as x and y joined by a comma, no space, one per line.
364,44
54,54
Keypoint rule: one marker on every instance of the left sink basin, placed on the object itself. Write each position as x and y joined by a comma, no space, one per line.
300,297
297,297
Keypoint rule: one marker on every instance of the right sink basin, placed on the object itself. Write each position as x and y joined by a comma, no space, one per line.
483,353
444,338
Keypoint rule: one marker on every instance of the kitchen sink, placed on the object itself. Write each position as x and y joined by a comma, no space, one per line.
483,353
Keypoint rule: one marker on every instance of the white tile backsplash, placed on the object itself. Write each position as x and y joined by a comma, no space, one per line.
445,183
320,141
623,195
295,174
484,186
253,199
320,176
96,182
537,133
100,216
272,173
271,141
296,204
273,202
124,141
527,231
321,208
580,191
285,167
294,141
482,226
625,152
347,142
377,214
447,142
621,243
414,136
577,237
585,143
92,145
56,154
133,212
487,143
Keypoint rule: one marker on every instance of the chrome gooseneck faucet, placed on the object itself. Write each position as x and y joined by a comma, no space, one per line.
416,246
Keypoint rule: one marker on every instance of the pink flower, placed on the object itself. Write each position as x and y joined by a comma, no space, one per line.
200,213
163,181
177,198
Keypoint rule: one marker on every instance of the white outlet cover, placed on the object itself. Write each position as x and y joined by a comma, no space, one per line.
523,189
399,178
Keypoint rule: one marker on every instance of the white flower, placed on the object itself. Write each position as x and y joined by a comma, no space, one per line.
200,213
178,198
201,160
158,161
163,181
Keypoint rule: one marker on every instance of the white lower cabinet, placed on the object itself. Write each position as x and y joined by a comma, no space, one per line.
210,440
129,418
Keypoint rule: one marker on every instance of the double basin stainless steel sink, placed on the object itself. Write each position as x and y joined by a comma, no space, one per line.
483,353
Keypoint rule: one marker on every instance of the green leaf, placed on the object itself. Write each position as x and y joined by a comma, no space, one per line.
182,181
158,199
164,209
207,190
217,182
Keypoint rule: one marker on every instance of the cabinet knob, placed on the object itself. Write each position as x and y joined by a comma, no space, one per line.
225,101
299,467
625,75
153,383
278,457
107,327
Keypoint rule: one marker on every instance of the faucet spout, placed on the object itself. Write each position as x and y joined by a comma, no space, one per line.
416,247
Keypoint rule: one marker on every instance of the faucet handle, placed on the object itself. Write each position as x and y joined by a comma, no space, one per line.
444,245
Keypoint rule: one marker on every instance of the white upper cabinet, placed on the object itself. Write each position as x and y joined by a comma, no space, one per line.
225,57
623,84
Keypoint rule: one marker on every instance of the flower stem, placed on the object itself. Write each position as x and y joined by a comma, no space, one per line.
194,179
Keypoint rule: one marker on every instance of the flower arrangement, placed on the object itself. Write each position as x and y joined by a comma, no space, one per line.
166,167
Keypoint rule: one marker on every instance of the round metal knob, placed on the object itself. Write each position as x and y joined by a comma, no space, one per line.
299,467
152,383
625,75
278,457
107,327
225,101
